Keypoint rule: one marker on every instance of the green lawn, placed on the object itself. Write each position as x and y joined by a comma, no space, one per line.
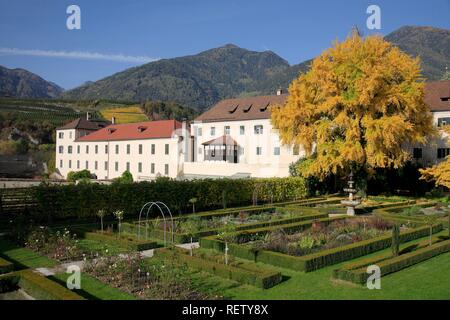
93,289
24,258
427,280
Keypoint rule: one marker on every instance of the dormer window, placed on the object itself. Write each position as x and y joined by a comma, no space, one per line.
262,109
233,110
111,130
248,108
141,129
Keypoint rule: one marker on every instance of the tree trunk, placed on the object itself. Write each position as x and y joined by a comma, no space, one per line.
101,222
192,248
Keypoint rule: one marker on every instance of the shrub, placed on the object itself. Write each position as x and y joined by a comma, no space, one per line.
84,201
79,175
125,178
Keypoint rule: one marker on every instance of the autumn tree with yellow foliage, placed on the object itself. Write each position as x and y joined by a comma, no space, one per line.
439,173
357,108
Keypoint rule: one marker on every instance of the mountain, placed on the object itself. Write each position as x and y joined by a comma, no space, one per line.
196,81
20,83
201,80
432,45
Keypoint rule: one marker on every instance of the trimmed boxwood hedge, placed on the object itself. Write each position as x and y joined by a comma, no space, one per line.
243,273
5,266
84,200
320,259
126,241
394,213
37,286
356,272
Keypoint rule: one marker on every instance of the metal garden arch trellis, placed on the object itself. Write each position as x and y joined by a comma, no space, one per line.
160,205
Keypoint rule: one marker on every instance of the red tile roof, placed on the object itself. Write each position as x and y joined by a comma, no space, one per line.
134,131
437,95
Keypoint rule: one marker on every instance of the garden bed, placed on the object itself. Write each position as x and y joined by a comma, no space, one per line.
321,236
165,277
242,272
316,260
202,225
201,228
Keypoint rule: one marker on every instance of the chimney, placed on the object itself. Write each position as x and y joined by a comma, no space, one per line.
113,120
279,92
88,116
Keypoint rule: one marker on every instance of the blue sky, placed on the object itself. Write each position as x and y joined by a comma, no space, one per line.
118,34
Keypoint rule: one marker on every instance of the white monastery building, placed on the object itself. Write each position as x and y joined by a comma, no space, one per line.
234,138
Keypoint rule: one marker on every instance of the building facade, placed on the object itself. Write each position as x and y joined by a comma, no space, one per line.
437,97
146,149
234,138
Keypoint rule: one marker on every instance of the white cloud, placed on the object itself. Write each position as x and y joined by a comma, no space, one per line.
76,55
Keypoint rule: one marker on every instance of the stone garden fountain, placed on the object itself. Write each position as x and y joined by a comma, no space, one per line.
351,203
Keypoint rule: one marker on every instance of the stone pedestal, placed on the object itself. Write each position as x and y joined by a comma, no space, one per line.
350,203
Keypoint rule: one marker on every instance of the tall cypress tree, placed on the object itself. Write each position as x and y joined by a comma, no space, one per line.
395,240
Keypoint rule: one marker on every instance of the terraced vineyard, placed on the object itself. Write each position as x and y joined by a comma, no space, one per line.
125,114
54,114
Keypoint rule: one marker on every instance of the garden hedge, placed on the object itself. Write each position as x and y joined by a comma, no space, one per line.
320,259
242,273
6,266
126,241
37,286
394,213
357,272
84,200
